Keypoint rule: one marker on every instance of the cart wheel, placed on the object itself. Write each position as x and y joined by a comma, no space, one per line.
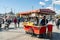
38,35
44,35
30,31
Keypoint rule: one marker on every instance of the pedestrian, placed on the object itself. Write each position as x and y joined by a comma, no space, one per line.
18,21
52,20
9,20
15,22
6,21
1,20
58,23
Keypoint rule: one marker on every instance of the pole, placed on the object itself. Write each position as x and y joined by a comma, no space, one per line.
53,4
32,7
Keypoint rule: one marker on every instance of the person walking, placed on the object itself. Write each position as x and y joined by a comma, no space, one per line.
18,21
6,21
15,22
1,20
58,23
9,20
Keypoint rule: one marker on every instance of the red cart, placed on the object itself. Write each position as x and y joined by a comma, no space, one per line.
38,30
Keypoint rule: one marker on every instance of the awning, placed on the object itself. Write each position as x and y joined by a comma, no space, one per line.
39,11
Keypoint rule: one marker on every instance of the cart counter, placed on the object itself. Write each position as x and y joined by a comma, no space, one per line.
35,29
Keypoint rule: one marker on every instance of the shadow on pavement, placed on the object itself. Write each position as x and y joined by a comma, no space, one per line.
56,36
11,28
20,27
1,29
17,27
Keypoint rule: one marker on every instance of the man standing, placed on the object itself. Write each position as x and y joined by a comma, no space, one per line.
44,21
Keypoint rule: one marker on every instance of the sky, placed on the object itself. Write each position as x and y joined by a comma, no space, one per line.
27,5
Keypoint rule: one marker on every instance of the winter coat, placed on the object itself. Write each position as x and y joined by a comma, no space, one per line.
15,20
44,22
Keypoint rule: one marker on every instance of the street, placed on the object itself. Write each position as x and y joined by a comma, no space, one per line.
19,34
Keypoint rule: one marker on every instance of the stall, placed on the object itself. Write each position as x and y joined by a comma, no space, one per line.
31,27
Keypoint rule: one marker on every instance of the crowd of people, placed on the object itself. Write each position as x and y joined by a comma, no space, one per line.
7,21
56,20
16,20
44,21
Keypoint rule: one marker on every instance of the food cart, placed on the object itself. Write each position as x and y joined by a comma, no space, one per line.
29,27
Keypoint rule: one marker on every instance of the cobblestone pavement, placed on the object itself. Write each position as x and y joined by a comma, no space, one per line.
19,34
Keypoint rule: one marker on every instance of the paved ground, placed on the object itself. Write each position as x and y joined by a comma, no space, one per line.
19,34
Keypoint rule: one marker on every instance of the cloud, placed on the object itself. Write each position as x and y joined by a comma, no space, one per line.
46,0
58,11
56,2
50,7
41,3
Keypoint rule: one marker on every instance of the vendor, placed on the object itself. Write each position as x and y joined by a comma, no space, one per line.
44,21
36,21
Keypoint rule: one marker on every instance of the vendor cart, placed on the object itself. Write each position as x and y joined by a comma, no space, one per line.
38,30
